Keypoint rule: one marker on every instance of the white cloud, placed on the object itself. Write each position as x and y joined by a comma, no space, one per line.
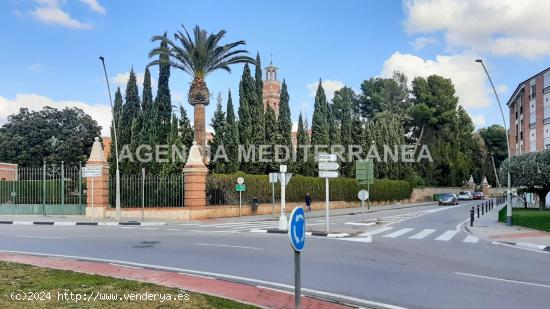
94,6
35,67
479,121
330,86
49,12
121,79
466,75
178,97
500,27
502,89
423,41
100,112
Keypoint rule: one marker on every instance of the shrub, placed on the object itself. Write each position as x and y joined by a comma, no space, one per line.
221,189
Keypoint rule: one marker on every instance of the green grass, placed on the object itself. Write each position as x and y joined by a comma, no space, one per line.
23,278
531,218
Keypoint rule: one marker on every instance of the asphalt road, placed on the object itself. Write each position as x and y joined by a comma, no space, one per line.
419,260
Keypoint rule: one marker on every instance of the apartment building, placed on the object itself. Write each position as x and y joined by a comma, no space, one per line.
529,108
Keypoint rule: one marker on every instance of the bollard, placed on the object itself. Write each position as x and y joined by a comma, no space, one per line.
478,211
482,208
472,216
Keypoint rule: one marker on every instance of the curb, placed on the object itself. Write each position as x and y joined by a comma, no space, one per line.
73,223
316,234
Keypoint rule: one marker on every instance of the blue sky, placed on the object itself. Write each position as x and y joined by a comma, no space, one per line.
51,51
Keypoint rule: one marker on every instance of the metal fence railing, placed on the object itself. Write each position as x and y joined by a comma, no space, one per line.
50,184
151,191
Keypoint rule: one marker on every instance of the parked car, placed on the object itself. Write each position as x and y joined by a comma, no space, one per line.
448,199
478,196
466,195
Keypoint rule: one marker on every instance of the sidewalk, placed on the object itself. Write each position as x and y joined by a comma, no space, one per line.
260,296
487,227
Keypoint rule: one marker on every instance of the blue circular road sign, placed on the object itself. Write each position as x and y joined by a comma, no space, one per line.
297,229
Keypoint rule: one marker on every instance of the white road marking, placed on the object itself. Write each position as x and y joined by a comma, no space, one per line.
307,291
66,223
422,234
448,235
22,223
377,231
272,289
516,247
127,266
45,237
362,239
205,277
360,223
503,280
471,239
398,232
227,246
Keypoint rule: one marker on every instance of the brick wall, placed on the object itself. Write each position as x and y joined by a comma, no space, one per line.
8,171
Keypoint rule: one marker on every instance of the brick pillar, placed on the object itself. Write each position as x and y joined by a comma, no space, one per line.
471,184
100,184
195,179
485,187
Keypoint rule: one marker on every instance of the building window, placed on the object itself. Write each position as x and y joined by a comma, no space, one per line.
521,135
533,91
521,109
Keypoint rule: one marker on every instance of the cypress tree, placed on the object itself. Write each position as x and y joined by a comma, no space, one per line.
258,78
117,113
130,123
301,141
257,117
245,130
163,100
320,126
173,166
346,139
147,97
186,134
272,138
231,138
218,124
285,122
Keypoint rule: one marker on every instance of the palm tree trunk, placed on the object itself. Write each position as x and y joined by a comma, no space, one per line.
200,124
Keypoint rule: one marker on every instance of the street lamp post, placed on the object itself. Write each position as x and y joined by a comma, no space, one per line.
509,193
117,198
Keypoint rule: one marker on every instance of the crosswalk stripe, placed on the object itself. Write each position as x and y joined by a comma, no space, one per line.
447,235
422,234
398,233
377,231
471,239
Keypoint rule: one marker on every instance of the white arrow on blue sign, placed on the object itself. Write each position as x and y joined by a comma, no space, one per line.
297,229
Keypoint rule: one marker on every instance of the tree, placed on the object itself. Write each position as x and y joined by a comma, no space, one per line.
384,94
162,111
302,141
320,125
284,123
147,96
346,139
185,129
344,99
245,129
219,126
259,81
530,171
272,138
31,137
117,111
231,139
130,124
494,138
199,56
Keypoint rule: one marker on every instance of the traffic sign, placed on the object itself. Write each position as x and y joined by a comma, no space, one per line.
297,229
364,172
328,174
363,195
272,177
327,157
329,166
240,180
92,171
240,187
287,177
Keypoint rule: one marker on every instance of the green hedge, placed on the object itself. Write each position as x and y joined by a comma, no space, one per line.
221,189
32,192
532,218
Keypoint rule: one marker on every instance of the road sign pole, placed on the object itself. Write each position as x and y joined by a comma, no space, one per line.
368,201
273,198
362,208
282,223
142,194
297,280
92,199
240,202
327,203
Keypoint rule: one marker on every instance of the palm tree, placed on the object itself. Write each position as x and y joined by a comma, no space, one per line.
199,56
